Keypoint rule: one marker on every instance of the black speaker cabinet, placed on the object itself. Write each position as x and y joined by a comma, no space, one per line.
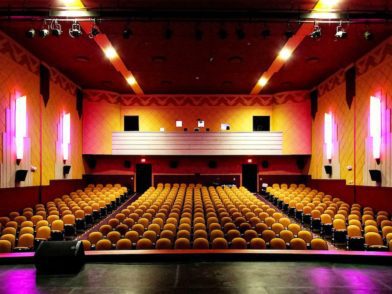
375,175
59,257
66,169
265,164
300,163
127,164
20,175
328,169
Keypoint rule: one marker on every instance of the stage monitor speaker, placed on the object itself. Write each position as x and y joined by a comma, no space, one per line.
173,163
59,257
375,175
20,175
212,164
66,169
127,164
328,169
265,164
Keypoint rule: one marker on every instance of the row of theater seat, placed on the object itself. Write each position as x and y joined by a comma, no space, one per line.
62,218
350,226
185,217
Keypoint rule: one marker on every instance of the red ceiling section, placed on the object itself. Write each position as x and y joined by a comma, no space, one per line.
315,60
185,65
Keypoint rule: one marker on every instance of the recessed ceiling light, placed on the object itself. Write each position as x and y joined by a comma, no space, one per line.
166,82
312,60
110,53
197,78
285,54
329,3
262,81
158,59
131,80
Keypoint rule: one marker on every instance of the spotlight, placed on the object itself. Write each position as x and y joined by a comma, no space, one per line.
94,31
368,35
44,31
55,28
127,33
289,31
222,33
30,33
340,32
240,33
75,31
316,34
265,32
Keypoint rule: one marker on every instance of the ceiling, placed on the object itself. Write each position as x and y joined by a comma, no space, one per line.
185,65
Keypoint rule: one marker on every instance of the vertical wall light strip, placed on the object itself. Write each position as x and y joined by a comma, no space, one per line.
66,135
328,133
20,125
375,125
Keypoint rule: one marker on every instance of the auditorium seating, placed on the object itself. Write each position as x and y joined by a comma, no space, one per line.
184,217
60,219
347,226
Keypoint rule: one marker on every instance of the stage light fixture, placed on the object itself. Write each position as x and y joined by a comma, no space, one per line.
94,31
222,33
75,31
340,32
44,31
240,33
30,33
55,28
289,31
127,33
316,34
265,32
368,35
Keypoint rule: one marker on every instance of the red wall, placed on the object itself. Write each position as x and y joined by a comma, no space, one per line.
114,165
379,198
15,199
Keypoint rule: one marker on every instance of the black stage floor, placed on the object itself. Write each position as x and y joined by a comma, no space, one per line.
203,277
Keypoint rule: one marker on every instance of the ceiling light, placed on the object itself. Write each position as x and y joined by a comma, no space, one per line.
75,31
265,32
94,31
316,34
127,33
110,53
222,33
55,28
44,31
262,81
329,3
285,54
131,80
30,33
340,32
240,33
289,31
368,35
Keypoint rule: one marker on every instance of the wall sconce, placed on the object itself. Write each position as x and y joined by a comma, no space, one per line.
20,127
328,133
66,135
375,126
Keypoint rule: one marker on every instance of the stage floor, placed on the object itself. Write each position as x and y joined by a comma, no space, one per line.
203,277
